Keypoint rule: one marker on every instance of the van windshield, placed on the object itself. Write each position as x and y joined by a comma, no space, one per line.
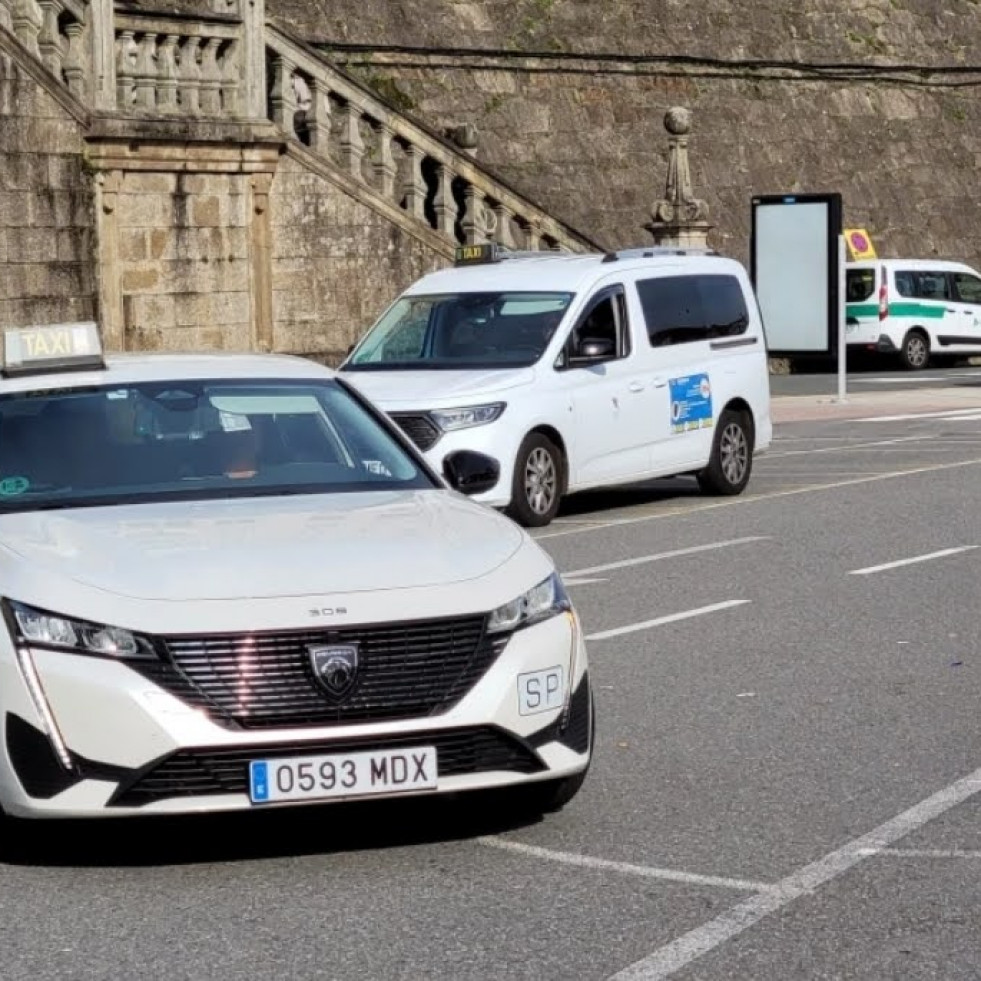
859,284
461,330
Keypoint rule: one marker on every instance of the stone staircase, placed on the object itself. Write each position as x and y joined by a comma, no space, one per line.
199,71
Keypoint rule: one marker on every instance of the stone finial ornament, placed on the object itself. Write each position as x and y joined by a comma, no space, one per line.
679,218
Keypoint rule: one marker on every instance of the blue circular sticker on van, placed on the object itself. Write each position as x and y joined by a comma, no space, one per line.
12,486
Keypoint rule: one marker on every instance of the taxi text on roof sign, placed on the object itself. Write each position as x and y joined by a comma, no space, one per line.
51,347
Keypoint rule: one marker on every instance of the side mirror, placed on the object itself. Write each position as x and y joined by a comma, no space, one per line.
470,472
595,349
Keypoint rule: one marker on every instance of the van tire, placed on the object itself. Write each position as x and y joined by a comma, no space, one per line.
731,462
915,352
537,482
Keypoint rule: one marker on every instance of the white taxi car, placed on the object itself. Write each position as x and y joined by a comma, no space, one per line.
576,371
228,582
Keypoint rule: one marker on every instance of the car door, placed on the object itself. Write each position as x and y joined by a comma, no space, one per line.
607,395
967,301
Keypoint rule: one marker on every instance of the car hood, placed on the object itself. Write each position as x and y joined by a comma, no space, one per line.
266,547
435,389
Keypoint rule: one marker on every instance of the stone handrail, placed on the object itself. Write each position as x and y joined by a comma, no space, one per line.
336,118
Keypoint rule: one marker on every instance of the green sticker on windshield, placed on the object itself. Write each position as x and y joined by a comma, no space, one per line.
12,486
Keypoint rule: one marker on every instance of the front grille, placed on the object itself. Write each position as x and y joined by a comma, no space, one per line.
419,428
405,670
225,770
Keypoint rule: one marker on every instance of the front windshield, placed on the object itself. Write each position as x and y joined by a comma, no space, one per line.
462,330
193,440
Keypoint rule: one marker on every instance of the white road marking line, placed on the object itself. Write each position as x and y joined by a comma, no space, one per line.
644,559
753,498
606,865
921,853
869,570
581,582
841,449
678,954
632,628
951,414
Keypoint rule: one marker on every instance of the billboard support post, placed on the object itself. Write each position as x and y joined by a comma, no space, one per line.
842,322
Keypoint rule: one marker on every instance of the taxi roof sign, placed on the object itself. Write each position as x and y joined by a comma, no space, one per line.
51,347
473,255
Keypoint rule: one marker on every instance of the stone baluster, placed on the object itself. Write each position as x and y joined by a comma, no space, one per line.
189,76
282,95
504,234
319,116
533,237
472,222
351,143
74,66
443,202
126,54
210,78
414,186
27,21
167,74
6,14
386,169
231,81
146,73
49,38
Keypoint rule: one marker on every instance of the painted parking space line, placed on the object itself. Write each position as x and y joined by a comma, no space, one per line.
627,868
913,560
658,556
679,953
754,498
922,853
632,628
765,457
947,414
581,582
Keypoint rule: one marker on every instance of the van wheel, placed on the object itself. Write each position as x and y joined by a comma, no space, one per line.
731,462
536,487
915,352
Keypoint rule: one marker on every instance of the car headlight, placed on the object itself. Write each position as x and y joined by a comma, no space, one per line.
42,629
467,416
545,600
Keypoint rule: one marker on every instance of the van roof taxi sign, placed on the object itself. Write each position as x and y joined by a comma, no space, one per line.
44,348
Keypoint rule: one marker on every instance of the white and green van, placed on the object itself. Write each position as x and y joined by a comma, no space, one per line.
916,308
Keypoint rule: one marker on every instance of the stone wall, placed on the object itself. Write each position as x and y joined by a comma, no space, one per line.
771,113
336,263
47,268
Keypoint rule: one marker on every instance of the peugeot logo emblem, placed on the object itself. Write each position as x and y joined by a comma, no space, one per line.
335,666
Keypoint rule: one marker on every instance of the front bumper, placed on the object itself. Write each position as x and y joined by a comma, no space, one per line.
134,748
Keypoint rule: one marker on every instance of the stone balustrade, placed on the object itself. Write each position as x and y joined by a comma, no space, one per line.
168,63
411,167
53,31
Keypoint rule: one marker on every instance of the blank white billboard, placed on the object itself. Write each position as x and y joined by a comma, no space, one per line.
795,249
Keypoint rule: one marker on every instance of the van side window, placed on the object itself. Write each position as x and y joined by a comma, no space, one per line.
604,321
931,286
904,284
685,309
968,288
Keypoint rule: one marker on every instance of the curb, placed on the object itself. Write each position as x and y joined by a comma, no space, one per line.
802,408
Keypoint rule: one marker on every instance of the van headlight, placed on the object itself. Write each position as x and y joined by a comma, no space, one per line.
545,600
42,629
467,416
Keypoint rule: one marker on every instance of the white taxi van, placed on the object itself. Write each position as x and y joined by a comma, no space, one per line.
576,371
228,582
913,308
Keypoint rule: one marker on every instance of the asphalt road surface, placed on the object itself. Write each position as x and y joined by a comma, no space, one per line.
786,781
873,375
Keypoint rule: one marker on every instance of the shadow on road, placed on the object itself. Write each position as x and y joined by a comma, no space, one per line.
588,503
245,836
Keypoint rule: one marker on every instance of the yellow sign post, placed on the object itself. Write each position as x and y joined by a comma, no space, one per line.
859,244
